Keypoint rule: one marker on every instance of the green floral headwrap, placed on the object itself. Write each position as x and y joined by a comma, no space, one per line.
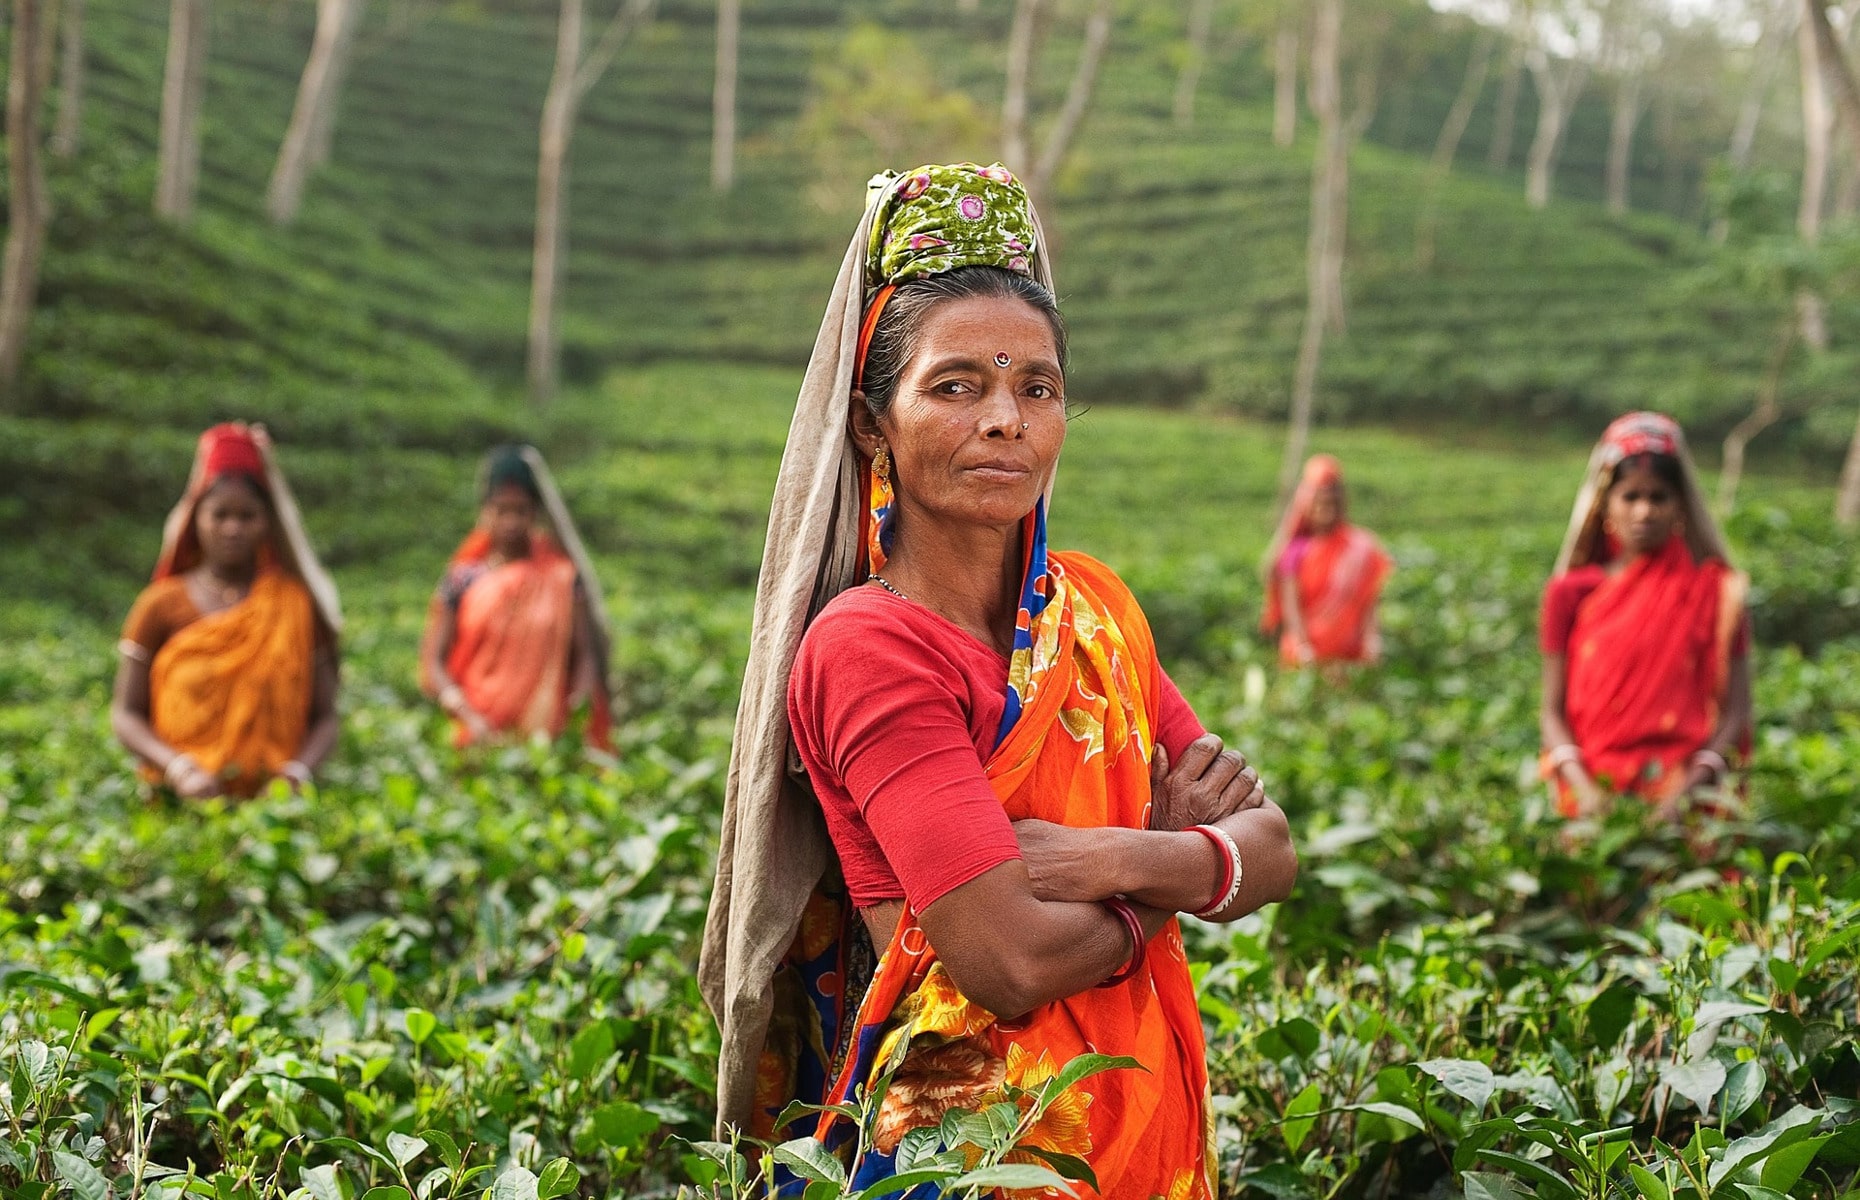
937,218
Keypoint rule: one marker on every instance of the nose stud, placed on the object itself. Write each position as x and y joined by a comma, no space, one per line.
1002,359
1024,425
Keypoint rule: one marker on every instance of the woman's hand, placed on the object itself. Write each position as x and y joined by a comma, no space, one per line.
189,779
1590,802
1061,862
1207,785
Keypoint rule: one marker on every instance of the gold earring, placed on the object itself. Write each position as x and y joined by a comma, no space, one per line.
881,463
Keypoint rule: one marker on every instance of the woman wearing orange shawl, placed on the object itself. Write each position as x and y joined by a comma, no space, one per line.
984,882
516,635
1646,681
228,670
1323,575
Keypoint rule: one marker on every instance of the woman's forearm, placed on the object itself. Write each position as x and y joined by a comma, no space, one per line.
1011,953
133,730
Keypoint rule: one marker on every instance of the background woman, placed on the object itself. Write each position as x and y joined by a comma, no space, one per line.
228,670
516,637
1323,575
1646,680
987,729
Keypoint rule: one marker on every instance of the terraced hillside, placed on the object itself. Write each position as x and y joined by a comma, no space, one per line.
382,337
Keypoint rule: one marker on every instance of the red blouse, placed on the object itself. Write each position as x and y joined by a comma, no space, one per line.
894,709
1563,597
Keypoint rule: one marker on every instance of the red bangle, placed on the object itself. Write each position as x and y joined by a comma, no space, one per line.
1229,867
1133,926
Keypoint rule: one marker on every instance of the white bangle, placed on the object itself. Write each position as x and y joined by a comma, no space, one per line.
1711,758
1233,859
176,765
295,771
451,697
1562,756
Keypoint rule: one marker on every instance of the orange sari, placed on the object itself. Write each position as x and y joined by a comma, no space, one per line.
233,689
513,642
1078,754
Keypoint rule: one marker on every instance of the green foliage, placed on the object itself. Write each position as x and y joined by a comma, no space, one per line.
492,955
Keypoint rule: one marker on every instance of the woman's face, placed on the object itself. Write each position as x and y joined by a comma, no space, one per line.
1643,509
508,514
1326,508
979,414
231,522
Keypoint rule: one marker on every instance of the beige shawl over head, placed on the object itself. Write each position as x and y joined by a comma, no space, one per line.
774,846
1637,433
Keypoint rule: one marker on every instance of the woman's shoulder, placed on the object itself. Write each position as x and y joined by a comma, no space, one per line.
867,618
1575,582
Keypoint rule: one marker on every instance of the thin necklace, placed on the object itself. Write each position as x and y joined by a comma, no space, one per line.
881,581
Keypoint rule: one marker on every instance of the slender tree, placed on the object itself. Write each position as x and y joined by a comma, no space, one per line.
576,71
1628,49
1023,41
1325,90
1838,73
1818,121
69,125
184,85
1078,99
313,118
1447,144
723,97
1194,61
28,205
1559,85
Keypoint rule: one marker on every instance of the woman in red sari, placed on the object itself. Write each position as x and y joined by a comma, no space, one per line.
1323,576
228,672
516,635
1646,679
1010,801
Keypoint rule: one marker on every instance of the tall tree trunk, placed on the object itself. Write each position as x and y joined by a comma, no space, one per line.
1285,84
1817,160
1016,151
1627,109
1447,144
69,126
1505,119
575,73
1557,90
723,97
1332,149
313,116
1847,494
184,85
1766,59
1188,80
27,203
1078,99
1765,414
558,122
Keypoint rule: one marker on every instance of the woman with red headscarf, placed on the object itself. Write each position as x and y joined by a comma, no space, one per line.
228,672
1323,575
516,636
1646,680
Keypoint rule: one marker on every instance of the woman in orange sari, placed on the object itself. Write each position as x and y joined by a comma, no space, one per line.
1646,678
1323,576
1010,801
227,678
516,636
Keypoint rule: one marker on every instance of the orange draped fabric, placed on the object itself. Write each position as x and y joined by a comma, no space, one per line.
233,688
1078,755
1648,659
513,642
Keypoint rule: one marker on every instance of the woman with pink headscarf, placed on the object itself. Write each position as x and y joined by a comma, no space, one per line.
1323,576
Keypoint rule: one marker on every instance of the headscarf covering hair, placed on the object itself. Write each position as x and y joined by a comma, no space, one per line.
1637,433
236,449
506,466
1321,471
774,847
